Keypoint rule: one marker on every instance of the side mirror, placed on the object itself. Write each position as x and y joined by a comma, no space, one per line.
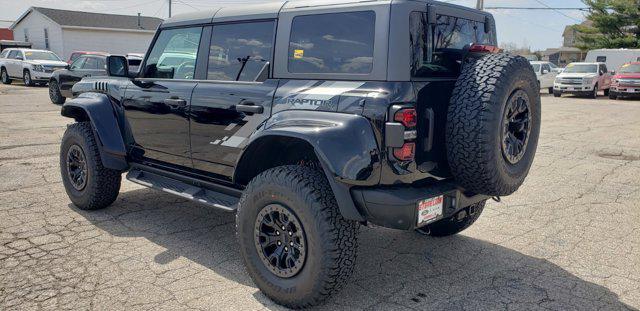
613,72
117,66
19,57
544,71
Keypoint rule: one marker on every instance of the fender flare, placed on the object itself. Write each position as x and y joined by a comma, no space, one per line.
345,160
98,109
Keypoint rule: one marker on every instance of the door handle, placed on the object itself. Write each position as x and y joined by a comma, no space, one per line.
175,102
250,108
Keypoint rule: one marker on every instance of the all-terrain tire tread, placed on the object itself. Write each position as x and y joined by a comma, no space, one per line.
103,190
340,233
470,114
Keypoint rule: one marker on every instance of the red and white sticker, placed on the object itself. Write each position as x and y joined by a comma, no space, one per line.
429,210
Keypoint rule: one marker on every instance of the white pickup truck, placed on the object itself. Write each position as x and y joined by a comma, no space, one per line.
31,66
585,79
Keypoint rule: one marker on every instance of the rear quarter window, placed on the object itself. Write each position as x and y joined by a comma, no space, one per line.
340,43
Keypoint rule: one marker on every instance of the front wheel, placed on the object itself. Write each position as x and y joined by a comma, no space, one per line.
88,184
613,95
607,92
5,76
297,247
550,90
557,94
594,94
26,76
54,93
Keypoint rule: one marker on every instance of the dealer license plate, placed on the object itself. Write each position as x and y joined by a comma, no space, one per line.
430,210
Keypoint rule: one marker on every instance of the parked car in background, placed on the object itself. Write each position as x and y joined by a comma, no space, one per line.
585,79
613,58
626,82
555,68
134,59
32,66
74,55
85,65
545,74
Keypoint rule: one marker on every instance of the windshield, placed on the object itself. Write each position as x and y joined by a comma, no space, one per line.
630,68
536,67
32,55
571,68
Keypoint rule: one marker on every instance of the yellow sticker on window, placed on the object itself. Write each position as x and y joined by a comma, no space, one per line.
570,65
298,54
626,65
28,53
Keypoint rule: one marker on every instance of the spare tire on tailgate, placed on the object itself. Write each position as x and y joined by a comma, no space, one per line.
493,123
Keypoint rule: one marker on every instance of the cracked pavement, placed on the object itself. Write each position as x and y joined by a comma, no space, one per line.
568,240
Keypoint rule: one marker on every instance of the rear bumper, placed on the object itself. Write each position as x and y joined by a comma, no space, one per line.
397,207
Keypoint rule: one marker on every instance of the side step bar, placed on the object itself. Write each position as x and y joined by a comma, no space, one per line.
206,196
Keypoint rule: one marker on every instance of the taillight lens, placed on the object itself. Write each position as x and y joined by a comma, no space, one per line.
408,117
406,153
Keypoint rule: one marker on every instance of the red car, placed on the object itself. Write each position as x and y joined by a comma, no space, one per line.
626,82
77,54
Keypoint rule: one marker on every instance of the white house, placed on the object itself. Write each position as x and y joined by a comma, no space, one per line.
63,31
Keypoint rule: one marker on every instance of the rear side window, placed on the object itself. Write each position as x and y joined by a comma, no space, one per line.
173,55
240,51
437,49
601,59
13,54
332,43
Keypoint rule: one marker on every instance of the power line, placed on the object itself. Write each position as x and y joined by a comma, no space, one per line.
558,11
533,8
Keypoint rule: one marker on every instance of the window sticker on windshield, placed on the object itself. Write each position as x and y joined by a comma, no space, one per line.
626,65
570,65
297,54
28,53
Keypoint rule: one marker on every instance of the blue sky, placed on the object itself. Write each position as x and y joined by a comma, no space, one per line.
534,28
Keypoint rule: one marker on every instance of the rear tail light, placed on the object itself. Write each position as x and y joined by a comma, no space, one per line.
408,117
406,153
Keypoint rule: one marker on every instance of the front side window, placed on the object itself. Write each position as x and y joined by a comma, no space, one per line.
332,43
546,68
13,54
536,67
239,52
601,59
174,54
437,49
94,63
78,63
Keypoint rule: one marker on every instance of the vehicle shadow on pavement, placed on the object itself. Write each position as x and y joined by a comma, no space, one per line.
394,269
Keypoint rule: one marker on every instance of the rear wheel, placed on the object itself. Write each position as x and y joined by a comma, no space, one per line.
26,76
297,247
54,93
89,185
493,124
5,76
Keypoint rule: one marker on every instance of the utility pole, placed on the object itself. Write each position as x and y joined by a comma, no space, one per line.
480,5
169,8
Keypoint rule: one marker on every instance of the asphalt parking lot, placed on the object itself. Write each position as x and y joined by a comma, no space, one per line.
568,240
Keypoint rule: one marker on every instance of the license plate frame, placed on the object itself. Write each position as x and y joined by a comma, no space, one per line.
430,210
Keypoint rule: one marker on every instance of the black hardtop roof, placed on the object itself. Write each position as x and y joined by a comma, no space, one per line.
271,10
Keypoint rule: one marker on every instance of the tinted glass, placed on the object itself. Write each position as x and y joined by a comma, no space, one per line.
4,54
77,64
546,67
437,50
90,63
73,57
536,67
601,59
603,68
240,49
174,54
332,43
13,54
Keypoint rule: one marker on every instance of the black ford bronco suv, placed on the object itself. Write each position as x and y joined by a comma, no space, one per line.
307,119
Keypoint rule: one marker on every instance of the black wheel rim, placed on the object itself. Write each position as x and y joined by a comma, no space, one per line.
77,167
280,240
516,125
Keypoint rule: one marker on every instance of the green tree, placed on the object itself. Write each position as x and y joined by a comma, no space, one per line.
614,24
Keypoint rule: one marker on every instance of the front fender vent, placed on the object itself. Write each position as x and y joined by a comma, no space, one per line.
101,86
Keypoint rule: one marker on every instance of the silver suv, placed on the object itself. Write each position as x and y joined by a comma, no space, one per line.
32,66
